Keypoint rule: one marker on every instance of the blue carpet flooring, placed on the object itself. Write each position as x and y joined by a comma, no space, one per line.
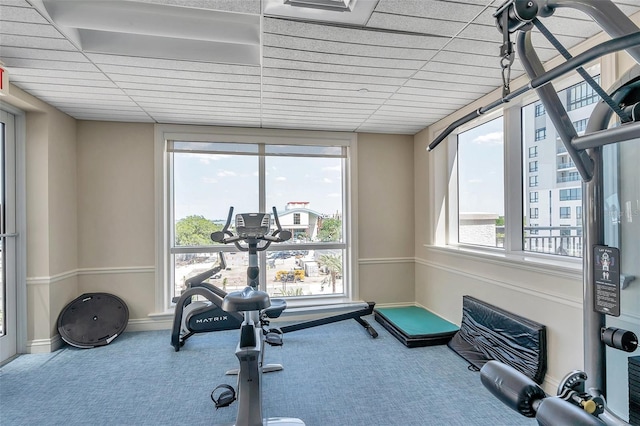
335,375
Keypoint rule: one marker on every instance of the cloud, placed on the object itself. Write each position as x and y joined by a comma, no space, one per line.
475,181
226,173
209,180
327,180
207,158
332,169
493,138
281,178
334,195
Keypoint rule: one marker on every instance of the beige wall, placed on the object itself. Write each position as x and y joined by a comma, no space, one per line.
116,213
385,218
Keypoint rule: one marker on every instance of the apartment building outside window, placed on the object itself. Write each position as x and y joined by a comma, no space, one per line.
533,166
565,212
570,194
533,197
581,125
541,133
539,110
581,94
533,151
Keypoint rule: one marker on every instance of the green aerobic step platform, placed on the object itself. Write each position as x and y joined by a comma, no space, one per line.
415,326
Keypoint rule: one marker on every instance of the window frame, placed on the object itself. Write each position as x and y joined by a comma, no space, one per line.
164,229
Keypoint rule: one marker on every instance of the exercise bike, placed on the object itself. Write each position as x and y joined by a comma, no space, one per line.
202,316
252,229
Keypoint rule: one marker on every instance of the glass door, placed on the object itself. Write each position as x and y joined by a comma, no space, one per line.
8,240
622,230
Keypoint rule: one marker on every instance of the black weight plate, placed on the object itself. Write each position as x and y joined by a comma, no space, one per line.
93,319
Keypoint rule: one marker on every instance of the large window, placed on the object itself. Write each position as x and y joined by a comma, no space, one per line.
481,184
523,196
307,181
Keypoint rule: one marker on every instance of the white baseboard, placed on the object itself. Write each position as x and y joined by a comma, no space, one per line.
148,324
43,346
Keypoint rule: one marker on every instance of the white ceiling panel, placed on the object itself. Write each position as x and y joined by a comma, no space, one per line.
355,59
27,29
42,54
339,69
49,43
427,26
347,48
432,9
20,14
364,36
412,63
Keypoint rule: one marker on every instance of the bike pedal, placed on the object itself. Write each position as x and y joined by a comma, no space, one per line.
274,338
226,397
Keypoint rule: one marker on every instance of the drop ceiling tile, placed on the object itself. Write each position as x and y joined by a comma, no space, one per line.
434,93
449,83
284,83
151,82
132,118
16,3
414,99
20,14
61,81
350,35
285,108
267,102
482,61
309,91
38,64
135,94
350,60
346,48
316,75
69,89
26,29
118,70
417,25
168,64
10,40
61,74
149,101
463,70
42,54
136,88
337,69
356,101
433,9
54,97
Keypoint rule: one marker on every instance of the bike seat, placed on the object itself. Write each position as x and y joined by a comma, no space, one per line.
276,308
246,300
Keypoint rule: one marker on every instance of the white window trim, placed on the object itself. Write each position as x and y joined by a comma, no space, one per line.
165,132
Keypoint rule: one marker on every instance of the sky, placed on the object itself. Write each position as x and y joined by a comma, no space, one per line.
481,169
208,184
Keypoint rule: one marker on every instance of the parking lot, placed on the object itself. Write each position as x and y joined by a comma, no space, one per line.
280,265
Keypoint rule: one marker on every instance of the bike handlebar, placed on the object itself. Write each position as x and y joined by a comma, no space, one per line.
253,234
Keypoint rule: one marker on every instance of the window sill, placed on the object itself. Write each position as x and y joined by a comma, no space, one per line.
297,309
567,267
